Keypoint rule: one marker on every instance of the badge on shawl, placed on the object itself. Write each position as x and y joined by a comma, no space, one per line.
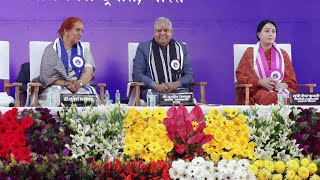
77,63
276,75
175,64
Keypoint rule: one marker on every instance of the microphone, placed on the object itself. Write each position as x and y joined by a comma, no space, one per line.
11,105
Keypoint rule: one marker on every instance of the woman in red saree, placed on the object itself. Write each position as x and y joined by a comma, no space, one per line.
267,67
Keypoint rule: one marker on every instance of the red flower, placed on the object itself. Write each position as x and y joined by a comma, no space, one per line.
26,122
187,141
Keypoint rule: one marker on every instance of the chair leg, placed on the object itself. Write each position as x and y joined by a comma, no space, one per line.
203,94
137,89
35,93
310,89
102,95
17,96
247,96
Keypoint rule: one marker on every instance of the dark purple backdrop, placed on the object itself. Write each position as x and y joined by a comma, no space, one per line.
209,27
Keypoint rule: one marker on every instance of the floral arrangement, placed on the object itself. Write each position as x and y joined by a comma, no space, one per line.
306,131
292,169
199,168
12,136
185,130
95,133
230,135
49,159
139,170
146,136
271,129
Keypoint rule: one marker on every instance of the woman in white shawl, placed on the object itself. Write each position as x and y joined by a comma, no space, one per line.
66,66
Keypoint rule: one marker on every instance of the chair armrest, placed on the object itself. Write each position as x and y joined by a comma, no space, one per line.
247,92
17,86
310,86
35,90
101,89
202,90
136,87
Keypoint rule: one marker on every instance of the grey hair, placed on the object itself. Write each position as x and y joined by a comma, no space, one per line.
162,20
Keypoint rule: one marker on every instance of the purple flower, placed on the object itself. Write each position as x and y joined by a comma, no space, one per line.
89,160
39,160
66,152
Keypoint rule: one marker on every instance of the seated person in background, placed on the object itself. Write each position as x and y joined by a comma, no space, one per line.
67,66
162,63
267,67
24,77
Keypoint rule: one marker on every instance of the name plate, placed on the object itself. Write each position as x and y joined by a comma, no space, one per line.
170,99
305,98
78,99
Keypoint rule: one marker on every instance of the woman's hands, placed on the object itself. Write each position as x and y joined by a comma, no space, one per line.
270,84
73,85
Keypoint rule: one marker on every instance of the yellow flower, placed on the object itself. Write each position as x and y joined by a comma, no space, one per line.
242,118
195,125
144,139
290,174
253,168
279,166
227,110
215,157
149,131
209,122
305,162
217,124
218,135
264,174
153,120
143,152
161,127
214,112
168,146
251,146
258,163
237,122
129,139
233,113
227,155
207,130
277,177
146,113
159,133
159,113
292,165
312,168
129,149
269,165
303,172
137,146
154,147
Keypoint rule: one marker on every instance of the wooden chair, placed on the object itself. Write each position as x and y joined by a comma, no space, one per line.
5,72
134,87
36,49
238,51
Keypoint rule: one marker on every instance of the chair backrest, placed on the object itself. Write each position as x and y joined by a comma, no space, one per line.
132,49
4,60
36,49
239,49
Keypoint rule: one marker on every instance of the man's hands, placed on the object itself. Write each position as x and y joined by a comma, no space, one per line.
271,84
73,85
166,87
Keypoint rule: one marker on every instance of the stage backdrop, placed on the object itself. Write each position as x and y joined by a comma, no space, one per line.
209,27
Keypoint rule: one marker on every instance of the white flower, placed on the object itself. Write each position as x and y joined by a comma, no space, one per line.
243,163
197,161
174,173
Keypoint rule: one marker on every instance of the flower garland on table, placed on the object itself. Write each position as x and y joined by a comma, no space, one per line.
292,169
95,133
230,135
12,136
199,168
145,135
306,131
271,131
185,130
